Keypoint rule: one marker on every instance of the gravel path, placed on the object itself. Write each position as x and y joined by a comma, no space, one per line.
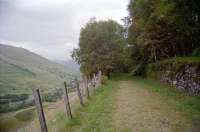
140,110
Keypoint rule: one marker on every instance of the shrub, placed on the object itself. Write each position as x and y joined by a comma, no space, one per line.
4,101
15,98
49,97
13,106
53,96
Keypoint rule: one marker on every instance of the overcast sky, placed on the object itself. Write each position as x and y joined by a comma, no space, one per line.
51,27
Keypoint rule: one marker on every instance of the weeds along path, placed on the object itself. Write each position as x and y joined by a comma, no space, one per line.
140,110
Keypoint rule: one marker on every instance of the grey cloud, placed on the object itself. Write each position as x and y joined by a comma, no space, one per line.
51,27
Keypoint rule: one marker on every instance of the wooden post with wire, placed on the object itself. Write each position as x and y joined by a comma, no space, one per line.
67,103
79,92
38,104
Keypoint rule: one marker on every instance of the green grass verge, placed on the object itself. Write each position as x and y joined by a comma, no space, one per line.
95,116
184,102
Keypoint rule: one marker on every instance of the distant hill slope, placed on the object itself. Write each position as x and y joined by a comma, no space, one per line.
69,63
22,70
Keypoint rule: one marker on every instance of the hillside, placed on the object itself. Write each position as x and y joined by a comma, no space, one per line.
22,70
70,64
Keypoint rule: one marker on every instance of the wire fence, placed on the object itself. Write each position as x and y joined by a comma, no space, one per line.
82,89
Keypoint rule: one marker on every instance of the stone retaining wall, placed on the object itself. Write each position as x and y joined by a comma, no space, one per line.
182,75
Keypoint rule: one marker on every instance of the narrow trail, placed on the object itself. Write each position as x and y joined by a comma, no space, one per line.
140,110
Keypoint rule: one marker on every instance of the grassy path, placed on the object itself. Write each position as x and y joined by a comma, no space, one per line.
127,104
139,109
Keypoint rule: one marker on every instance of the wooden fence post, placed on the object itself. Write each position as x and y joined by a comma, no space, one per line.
79,92
87,89
66,98
38,103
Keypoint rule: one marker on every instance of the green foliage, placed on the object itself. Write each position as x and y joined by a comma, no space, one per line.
14,98
11,102
15,102
102,46
13,106
49,97
160,29
53,96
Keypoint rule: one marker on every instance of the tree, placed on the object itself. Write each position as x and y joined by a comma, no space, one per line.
164,28
101,47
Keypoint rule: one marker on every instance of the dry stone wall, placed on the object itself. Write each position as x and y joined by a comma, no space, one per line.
182,75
